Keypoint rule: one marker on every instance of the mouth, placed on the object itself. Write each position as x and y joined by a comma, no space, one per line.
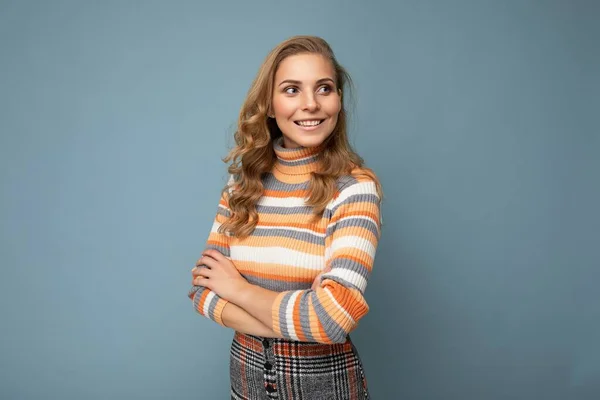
309,123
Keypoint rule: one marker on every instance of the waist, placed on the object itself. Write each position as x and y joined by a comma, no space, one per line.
287,347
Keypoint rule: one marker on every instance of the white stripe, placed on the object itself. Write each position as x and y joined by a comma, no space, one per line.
207,301
328,254
215,227
291,228
358,188
277,255
353,242
282,202
352,217
349,276
289,315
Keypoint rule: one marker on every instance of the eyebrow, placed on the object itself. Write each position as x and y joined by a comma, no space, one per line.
294,82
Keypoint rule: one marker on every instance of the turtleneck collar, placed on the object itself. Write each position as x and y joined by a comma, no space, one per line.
295,165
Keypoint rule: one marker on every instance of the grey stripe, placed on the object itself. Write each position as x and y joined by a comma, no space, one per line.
224,212
282,315
359,222
345,181
276,285
283,210
193,291
270,182
309,160
331,328
286,233
349,265
211,307
220,249
197,294
304,320
358,198
342,282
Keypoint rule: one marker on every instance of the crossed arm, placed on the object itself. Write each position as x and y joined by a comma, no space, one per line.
260,301
328,311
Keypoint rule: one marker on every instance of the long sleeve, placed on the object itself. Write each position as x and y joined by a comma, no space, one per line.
205,301
333,310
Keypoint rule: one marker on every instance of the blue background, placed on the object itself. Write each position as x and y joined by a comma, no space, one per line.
480,117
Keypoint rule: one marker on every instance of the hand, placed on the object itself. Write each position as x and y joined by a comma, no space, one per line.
317,281
217,273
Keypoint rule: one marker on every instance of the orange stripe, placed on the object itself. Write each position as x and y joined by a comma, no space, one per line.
356,231
216,242
284,194
269,218
322,334
306,225
366,262
276,272
201,302
354,213
265,242
316,328
296,319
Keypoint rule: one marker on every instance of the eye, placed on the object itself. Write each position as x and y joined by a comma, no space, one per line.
326,87
290,90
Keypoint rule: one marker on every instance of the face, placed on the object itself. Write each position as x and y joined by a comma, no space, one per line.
306,102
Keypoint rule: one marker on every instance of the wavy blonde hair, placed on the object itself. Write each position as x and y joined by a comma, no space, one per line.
253,154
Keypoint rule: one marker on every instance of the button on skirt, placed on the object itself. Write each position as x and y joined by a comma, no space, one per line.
265,368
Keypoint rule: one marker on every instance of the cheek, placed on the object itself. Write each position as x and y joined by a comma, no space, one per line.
333,107
283,108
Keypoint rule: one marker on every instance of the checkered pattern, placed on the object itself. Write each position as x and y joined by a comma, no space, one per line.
263,368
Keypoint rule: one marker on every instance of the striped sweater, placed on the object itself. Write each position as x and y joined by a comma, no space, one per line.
287,251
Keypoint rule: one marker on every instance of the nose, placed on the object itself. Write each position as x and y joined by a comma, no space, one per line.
310,103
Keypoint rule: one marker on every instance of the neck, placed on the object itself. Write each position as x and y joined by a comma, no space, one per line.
294,165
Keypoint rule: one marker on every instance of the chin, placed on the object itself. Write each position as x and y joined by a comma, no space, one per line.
308,141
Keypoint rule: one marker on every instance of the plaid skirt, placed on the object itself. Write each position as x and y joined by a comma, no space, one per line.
265,368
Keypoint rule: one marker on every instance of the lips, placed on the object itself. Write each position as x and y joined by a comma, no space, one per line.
309,123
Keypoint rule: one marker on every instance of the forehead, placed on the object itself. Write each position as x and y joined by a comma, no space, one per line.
304,67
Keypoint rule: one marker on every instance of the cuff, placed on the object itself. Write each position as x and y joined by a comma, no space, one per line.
208,304
218,311
278,314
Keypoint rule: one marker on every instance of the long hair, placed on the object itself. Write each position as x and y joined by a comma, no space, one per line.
253,154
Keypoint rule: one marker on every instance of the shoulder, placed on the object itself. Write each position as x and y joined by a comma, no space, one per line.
227,191
355,191
359,181
357,200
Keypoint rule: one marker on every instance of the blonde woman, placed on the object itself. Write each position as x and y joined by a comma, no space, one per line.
294,239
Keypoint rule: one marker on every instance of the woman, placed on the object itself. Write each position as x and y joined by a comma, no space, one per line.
295,235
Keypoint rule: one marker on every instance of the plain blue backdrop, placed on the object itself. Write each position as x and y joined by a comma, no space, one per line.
480,118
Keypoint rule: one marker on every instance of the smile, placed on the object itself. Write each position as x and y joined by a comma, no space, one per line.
309,123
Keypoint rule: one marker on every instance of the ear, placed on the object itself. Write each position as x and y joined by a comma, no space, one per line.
340,92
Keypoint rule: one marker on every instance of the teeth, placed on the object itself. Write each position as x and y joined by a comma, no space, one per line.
309,123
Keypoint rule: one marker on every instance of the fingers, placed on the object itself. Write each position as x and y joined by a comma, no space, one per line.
201,276
201,281
206,261
201,271
209,256
214,254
